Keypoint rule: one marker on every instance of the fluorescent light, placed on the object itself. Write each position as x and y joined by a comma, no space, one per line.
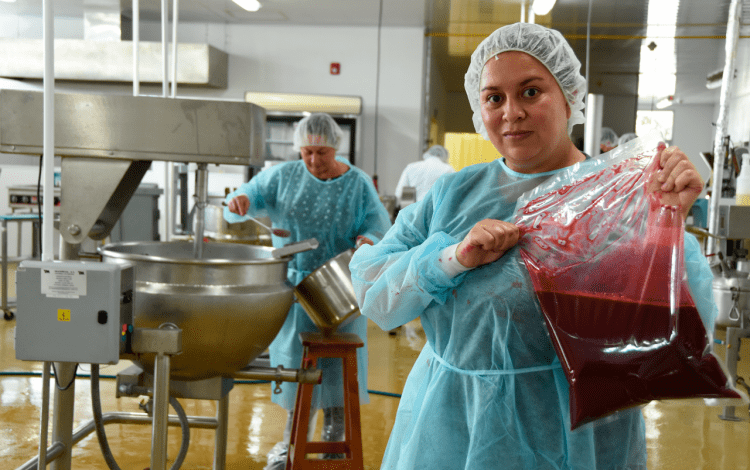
249,5
8,1
542,7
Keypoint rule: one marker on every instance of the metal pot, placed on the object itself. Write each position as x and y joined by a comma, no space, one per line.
732,297
230,304
218,229
327,294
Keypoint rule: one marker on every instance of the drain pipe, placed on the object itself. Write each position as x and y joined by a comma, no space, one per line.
733,29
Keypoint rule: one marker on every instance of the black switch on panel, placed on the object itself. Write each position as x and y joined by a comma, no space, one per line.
102,317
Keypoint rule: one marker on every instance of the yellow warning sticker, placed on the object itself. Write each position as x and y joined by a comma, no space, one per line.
63,314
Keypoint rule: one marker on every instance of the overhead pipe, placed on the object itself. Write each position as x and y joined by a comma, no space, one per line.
48,251
730,48
136,47
175,9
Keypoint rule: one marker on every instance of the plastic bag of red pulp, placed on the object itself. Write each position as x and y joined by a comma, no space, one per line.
605,254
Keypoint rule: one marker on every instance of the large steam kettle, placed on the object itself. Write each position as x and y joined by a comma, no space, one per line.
230,303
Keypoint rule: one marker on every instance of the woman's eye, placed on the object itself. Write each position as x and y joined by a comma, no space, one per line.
530,93
493,99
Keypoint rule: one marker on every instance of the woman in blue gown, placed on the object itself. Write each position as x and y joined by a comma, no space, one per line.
488,391
320,196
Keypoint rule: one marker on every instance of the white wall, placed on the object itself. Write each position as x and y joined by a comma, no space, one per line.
694,128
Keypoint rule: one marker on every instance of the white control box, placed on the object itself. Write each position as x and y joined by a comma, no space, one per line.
74,311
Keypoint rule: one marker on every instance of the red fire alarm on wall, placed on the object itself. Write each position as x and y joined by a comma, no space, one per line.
335,68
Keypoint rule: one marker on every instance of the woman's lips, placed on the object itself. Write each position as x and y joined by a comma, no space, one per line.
516,134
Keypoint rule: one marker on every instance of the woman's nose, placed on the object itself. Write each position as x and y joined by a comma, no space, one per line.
513,110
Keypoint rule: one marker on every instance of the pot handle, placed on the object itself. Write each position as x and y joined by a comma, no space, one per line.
294,248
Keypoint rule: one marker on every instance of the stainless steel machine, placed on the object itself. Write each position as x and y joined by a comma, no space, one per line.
731,286
200,312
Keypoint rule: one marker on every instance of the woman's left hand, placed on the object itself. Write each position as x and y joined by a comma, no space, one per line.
677,178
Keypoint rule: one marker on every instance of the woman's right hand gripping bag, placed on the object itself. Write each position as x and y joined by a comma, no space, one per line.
605,254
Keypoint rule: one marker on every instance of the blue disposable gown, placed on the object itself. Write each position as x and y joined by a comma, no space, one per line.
334,212
487,391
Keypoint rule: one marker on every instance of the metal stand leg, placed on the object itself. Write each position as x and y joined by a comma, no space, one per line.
62,429
222,417
733,339
4,237
161,413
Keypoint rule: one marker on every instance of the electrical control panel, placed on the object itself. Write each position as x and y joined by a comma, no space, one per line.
74,311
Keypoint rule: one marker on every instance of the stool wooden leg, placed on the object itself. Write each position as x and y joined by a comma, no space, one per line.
299,447
352,428
301,419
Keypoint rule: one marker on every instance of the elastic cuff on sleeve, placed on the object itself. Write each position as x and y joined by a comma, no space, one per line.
449,263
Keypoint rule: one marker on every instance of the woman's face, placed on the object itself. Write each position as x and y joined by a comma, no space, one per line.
525,114
320,161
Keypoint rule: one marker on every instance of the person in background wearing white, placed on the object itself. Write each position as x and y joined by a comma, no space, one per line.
423,174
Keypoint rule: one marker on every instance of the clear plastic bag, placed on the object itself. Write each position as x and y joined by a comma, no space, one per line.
605,255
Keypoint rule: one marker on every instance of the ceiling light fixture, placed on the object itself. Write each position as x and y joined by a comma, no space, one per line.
249,5
8,1
542,7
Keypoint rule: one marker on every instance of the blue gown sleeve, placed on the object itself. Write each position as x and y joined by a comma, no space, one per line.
375,220
700,280
397,278
260,191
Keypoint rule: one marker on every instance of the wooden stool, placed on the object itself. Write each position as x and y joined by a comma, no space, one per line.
316,345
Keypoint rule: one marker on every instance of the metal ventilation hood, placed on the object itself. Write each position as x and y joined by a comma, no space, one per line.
105,54
112,61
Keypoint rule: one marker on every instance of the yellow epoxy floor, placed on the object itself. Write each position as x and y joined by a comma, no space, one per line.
680,436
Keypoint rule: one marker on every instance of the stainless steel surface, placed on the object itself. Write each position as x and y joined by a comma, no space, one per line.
230,304
733,222
160,412
157,340
96,192
248,232
201,201
294,248
279,374
199,65
732,297
135,128
327,294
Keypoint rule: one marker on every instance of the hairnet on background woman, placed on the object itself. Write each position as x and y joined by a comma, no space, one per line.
608,140
487,390
324,197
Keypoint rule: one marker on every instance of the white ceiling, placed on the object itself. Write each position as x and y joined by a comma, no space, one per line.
617,27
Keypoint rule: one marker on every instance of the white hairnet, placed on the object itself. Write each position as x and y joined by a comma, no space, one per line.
627,137
437,151
546,45
317,129
609,137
